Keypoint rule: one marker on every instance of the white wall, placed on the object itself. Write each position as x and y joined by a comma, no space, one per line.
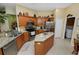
44,13
5,26
20,8
59,15
72,9
10,10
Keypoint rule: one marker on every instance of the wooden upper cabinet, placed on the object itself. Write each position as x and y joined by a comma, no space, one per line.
34,20
41,21
41,31
37,21
45,19
24,19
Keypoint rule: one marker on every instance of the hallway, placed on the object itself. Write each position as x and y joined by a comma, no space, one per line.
61,47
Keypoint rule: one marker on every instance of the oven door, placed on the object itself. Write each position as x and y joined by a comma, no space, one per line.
33,33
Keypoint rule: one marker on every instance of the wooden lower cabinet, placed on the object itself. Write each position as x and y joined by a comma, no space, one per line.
49,43
39,48
39,31
76,47
1,52
20,40
42,48
26,36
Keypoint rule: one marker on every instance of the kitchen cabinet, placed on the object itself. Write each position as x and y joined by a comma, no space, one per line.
49,43
24,19
20,40
26,36
43,44
39,31
41,21
39,48
1,51
76,46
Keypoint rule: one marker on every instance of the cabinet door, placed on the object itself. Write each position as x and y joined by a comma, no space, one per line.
51,41
46,45
22,21
0,51
26,36
19,42
41,31
39,48
37,32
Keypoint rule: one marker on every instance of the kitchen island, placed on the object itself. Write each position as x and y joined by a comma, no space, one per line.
43,43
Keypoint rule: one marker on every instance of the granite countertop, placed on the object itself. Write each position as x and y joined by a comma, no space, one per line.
43,37
5,40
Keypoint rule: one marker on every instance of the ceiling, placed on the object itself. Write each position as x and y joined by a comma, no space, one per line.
45,6
38,6
9,5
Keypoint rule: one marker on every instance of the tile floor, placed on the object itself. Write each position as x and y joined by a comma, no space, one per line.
61,47
27,49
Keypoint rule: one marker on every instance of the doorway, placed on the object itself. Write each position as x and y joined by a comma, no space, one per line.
69,27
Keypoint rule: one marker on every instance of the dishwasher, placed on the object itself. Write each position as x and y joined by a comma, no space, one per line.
10,48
